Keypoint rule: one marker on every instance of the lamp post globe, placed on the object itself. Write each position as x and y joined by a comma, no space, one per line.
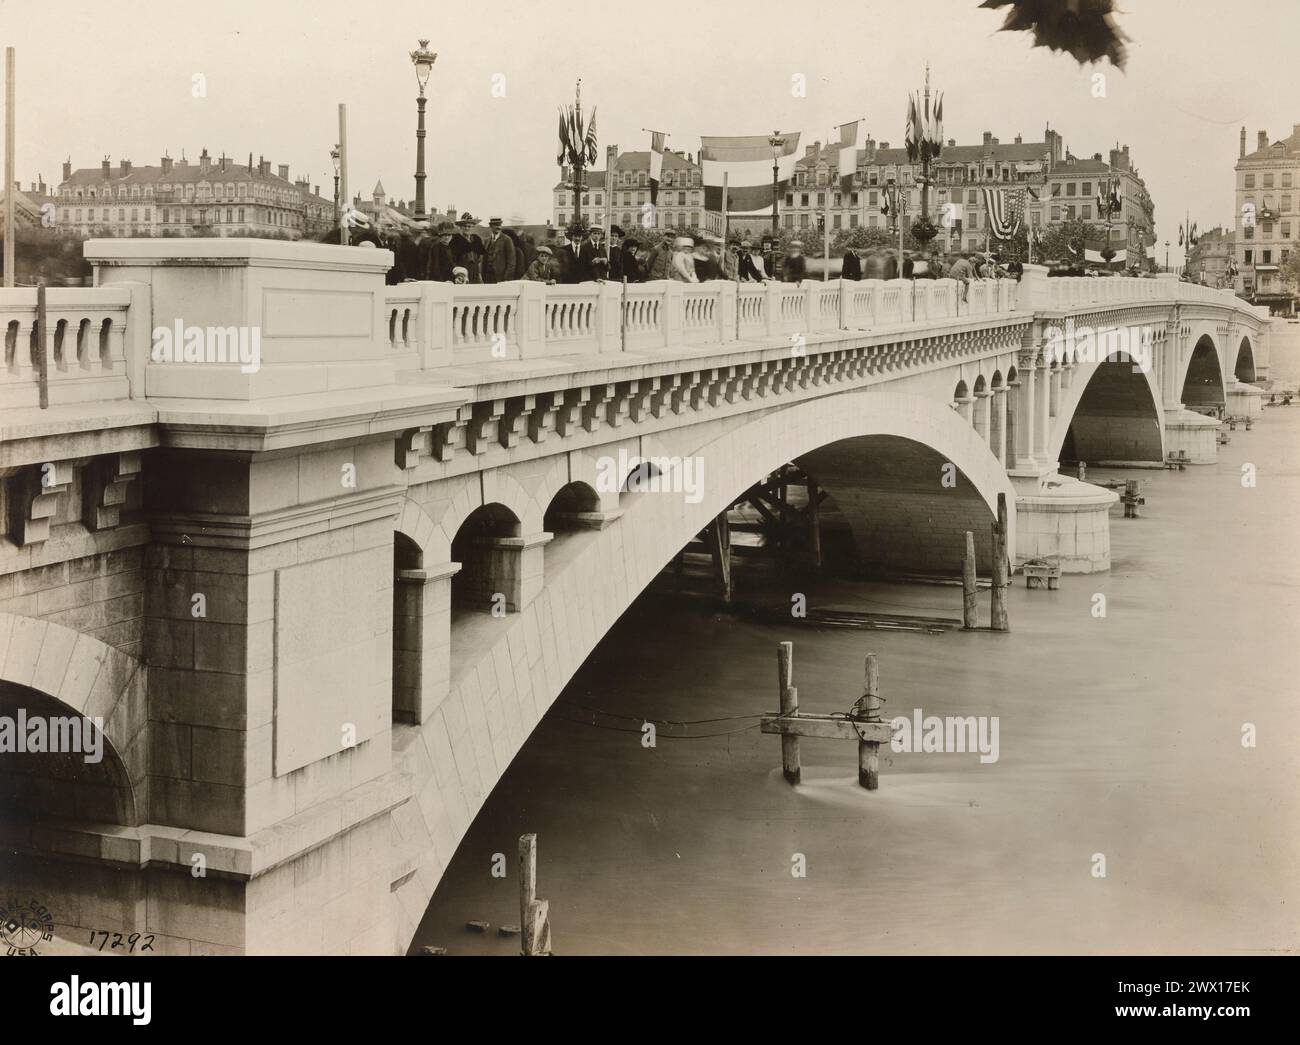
422,58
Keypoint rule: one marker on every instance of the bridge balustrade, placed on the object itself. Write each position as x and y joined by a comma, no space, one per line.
96,351
86,330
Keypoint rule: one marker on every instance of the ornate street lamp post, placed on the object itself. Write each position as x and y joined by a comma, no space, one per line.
423,60
334,157
777,142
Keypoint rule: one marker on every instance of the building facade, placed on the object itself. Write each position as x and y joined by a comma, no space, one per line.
211,197
1208,262
680,198
1061,188
1267,218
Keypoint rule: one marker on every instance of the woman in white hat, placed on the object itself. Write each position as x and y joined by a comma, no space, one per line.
683,268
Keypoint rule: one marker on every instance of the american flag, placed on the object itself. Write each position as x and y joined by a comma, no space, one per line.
1006,208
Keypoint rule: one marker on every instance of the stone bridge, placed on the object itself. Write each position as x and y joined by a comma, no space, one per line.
320,594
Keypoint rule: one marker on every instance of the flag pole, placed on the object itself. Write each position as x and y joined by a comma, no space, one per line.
10,110
343,174
826,232
724,218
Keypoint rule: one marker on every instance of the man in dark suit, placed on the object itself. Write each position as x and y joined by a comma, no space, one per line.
795,268
852,265
440,261
593,247
498,255
749,272
569,255
616,254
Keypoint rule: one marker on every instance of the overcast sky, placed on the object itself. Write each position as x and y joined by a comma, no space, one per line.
96,79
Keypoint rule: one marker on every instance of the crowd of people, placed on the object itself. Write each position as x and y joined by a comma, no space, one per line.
456,252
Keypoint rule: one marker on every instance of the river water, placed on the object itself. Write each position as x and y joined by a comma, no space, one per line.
1118,735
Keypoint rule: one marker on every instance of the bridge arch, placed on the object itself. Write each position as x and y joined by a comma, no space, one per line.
1203,378
50,670
1244,367
604,569
1112,411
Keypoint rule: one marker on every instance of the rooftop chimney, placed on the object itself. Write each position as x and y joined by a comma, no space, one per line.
106,167
988,137
1020,140
284,171
166,164
1243,144
126,167
952,143
1262,140
67,168
205,161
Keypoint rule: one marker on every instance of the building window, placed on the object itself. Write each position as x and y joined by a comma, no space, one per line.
821,199
241,215
803,221
803,199
1087,212
1248,181
1250,257
1087,189
1268,181
1286,203
789,199
972,197
230,214
853,221
1268,257
1056,213
1056,188
1286,231
789,221
681,199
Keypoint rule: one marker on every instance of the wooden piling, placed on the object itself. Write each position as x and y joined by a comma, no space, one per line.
969,615
1001,570
789,706
534,926
719,534
815,521
869,751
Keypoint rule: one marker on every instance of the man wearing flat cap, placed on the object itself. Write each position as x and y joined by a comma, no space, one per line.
543,268
498,255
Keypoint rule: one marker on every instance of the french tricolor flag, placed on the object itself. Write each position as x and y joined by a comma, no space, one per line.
746,162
